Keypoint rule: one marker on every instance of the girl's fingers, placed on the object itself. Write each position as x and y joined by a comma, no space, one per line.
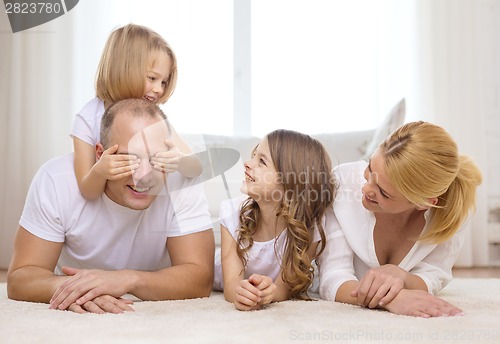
111,150
166,168
247,294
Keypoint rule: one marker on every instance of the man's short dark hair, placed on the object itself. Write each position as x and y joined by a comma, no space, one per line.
134,107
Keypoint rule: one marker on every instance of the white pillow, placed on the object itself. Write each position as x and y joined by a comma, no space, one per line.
392,121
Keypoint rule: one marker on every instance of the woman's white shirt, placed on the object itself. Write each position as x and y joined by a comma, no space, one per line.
431,262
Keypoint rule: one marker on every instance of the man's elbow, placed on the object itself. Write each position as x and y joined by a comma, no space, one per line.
205,285
11,291
14,287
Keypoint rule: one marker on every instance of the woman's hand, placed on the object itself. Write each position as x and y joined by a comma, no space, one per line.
380,286
419,303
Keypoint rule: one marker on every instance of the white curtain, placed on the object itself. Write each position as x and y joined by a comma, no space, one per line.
38,81
35,112
449,91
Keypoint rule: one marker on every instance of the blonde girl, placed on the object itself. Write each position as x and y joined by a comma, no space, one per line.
402,215
136,63
270,239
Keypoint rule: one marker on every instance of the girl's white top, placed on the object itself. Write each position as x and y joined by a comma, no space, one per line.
264,258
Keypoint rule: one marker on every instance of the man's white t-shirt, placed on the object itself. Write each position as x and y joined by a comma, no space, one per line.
102,234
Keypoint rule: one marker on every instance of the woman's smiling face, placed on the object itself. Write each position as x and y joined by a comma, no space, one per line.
379,194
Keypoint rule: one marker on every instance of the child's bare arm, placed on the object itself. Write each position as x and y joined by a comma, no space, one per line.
237,290
91,186
232,267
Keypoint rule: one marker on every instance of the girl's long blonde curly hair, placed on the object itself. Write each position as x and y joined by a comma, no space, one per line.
305,172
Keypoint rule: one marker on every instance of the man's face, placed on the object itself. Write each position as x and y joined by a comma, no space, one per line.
142,137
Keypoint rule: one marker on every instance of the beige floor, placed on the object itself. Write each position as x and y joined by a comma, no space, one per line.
459,273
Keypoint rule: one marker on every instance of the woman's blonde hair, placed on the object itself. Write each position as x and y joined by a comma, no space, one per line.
422,161
305,172
128,53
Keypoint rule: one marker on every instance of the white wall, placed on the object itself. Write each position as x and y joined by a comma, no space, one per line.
489,45
457,86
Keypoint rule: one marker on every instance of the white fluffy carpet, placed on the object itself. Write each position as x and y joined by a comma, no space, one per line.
213,320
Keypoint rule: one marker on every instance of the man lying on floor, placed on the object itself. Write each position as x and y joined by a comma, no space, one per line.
85,255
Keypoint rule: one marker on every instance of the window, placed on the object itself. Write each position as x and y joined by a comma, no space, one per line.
251,66
201,34
313,65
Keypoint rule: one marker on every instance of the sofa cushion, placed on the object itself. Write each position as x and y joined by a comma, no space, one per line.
394,119
345,146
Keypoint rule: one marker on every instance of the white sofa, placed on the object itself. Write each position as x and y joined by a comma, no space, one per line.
342,147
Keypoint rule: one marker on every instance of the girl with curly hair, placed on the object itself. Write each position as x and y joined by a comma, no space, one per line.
270,239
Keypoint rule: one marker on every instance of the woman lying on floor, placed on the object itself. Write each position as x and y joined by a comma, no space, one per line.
401,218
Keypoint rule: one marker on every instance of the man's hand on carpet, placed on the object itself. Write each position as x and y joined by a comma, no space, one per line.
86,285
103,304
